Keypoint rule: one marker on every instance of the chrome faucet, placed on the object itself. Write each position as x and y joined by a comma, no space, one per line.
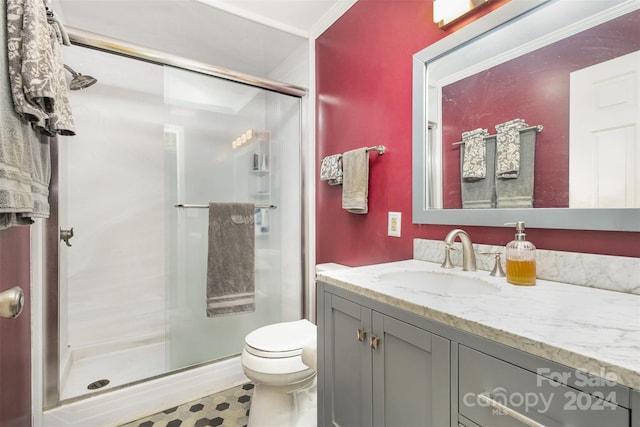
468,256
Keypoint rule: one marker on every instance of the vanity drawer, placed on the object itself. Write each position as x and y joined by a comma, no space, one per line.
496,393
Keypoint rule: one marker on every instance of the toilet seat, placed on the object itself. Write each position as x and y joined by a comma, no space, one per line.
272,360
280,340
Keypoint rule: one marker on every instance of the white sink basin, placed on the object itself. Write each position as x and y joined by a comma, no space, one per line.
442,283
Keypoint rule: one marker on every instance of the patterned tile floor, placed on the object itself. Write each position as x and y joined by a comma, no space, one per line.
229,408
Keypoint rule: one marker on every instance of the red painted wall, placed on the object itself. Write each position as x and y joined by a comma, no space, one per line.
364,79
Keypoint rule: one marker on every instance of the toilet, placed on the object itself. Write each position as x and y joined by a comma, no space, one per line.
272,358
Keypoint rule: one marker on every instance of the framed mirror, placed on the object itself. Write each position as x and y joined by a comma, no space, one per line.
520,62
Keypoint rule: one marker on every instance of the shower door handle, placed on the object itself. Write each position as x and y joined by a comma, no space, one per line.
11,302
66,235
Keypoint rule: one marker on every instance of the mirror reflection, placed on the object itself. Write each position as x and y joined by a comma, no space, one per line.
579,90
532,65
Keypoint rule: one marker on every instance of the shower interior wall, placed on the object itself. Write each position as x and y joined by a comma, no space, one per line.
117,269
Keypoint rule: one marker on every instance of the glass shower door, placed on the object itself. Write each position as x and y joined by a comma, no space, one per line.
228,142
111,277
132,285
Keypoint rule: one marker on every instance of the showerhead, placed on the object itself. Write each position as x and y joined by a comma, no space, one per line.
79,81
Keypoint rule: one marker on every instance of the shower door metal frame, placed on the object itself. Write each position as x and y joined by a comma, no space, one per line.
94,41
51,368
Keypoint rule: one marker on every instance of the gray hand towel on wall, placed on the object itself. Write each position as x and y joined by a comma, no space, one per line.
355,181
231,259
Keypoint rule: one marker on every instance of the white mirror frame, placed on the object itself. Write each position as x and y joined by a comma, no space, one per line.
531,19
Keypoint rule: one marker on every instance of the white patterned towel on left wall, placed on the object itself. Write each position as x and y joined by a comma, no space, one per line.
331,169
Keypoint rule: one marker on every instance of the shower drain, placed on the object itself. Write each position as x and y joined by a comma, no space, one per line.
97,384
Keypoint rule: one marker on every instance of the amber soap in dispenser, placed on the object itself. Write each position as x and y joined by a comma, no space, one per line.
521,258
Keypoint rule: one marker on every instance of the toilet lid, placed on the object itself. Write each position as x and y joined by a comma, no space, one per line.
285,337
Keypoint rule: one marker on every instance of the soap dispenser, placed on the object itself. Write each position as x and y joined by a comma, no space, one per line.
521,258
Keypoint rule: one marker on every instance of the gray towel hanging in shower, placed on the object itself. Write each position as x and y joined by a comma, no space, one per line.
231,259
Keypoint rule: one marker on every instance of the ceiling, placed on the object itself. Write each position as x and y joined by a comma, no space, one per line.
308,18
250,36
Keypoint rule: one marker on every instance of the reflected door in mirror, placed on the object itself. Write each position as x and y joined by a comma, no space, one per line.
604,146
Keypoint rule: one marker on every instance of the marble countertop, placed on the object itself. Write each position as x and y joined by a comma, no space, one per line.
590,329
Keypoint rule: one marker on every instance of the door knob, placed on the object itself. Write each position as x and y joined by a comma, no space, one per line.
11,302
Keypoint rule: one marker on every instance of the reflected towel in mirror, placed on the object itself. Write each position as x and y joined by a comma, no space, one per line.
480,193
508,148
474,165
518,192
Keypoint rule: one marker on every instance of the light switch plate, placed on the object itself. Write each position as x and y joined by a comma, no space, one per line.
395,222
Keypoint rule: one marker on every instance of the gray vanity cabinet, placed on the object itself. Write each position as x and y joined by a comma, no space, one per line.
379,365
378,370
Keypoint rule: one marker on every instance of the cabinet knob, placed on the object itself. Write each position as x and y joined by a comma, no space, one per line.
362,335
374,342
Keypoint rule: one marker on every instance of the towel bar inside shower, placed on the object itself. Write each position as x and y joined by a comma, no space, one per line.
186,206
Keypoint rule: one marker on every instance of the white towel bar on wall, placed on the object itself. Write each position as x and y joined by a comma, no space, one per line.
181,205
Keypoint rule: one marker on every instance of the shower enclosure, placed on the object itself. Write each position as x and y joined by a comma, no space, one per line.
155,144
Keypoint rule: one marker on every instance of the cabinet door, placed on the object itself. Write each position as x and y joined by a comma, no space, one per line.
411,383
347,355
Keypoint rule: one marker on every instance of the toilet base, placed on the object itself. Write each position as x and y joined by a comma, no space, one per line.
271,407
